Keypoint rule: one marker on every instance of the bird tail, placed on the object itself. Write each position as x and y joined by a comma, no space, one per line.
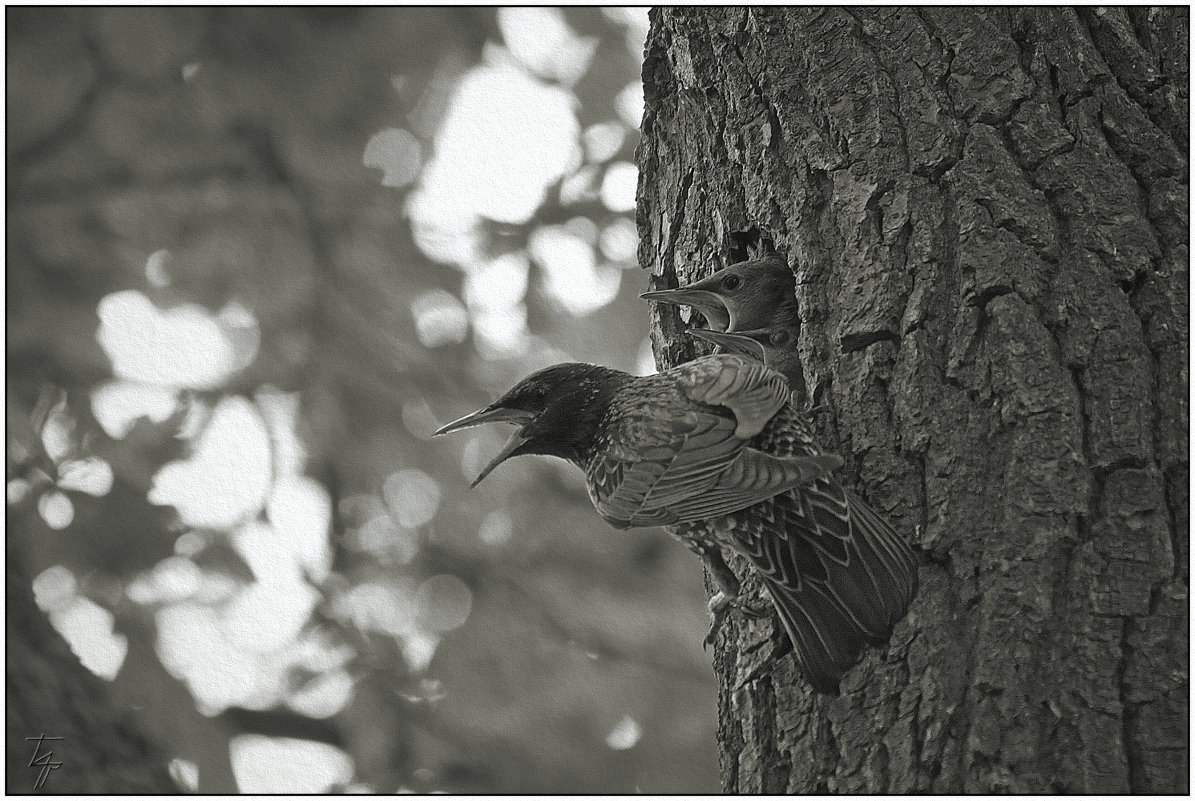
831,616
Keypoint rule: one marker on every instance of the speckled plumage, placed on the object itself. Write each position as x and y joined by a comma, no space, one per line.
716,449
839,576
775,345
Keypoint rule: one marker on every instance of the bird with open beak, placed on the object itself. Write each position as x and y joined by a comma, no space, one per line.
774,345
746,295
715,449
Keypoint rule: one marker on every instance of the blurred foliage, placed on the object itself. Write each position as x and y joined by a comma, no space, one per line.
255,256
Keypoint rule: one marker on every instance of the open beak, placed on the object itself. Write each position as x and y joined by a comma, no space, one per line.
488,414
491,414
705,301
731,343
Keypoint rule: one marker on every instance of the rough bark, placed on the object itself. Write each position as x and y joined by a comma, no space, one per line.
986,212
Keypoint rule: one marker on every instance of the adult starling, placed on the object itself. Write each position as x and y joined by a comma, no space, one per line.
746,295
715,449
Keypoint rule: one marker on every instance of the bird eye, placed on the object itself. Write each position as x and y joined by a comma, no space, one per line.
731,282
779,338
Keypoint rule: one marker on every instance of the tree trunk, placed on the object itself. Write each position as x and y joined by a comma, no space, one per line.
986,212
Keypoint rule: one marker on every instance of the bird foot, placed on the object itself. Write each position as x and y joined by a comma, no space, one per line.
720,605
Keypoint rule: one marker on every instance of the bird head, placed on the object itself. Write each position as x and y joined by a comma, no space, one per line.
557,409
775,346
745,295
761,344
737,343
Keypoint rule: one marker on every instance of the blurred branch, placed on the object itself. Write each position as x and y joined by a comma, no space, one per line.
72,125
280,722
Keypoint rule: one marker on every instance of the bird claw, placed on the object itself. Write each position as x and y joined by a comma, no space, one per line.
720,605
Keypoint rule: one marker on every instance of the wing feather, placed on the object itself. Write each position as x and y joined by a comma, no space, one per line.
840,576
752,391
681,459
722,444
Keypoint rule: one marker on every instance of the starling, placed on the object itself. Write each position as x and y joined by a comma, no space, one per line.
749,294
775,346
715,449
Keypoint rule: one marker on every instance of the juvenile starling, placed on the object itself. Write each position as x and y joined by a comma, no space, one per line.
749,294
715,449
775,346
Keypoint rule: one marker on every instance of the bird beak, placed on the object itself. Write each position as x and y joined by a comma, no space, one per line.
732,343
705,301
492,414
488,414
516,439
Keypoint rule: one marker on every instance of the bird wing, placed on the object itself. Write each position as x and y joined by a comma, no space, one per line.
753,392
679,456
823,534
839,574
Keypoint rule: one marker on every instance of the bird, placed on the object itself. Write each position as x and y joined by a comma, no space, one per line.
755,299
774,345
746,295
715,449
